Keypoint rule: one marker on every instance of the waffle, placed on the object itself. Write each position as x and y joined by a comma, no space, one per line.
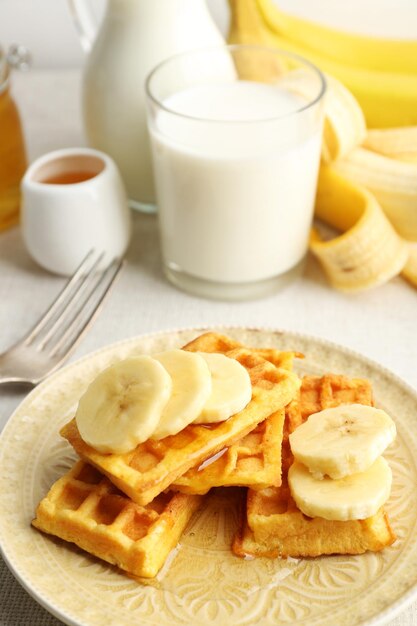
273,526
253,461
153,465
85,508
214,342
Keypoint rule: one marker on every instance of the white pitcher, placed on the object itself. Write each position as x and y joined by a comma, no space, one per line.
135,35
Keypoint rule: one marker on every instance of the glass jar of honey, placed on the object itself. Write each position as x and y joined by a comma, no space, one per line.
12,150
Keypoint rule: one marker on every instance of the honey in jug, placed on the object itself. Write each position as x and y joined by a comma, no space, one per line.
68,178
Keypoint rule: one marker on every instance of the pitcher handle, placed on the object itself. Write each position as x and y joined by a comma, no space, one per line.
84,22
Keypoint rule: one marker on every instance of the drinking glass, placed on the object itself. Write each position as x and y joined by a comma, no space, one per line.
236,138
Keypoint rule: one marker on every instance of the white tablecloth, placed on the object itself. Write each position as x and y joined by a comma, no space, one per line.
379,323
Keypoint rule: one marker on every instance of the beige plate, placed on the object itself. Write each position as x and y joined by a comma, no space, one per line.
202,582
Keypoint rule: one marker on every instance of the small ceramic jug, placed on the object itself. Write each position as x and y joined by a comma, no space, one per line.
74,201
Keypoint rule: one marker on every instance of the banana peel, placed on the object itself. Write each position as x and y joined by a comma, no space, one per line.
396,143
344,124
369,252
392,182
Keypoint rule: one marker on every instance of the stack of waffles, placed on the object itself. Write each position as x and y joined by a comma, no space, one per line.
131,509
271,523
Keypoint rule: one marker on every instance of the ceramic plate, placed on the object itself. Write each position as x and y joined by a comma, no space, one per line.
202,582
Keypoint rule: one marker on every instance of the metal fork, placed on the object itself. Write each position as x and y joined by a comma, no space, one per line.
60,328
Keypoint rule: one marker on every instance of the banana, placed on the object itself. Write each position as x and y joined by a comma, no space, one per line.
387,98
191,388
344,123
393,183
397,143
357,260
232,389
342,440
376,53
357,496
370,252
251,64
122,406
246,24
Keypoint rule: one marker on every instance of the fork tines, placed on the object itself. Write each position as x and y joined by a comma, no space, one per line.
74,308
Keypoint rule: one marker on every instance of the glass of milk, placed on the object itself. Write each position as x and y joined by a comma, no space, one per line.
236,138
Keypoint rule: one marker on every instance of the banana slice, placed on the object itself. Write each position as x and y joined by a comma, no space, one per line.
122,406
191,389
357,496
342,440
232,389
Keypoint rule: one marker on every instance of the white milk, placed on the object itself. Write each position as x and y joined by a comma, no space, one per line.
235,196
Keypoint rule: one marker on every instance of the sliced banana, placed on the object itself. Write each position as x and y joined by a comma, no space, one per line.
342,440
357,496
190,391
122,406
231,389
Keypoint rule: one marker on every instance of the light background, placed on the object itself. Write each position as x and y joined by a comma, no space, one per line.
379,323
45,26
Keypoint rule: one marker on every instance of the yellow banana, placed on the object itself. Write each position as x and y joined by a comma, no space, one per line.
372,53
410,269
397,143
388,99
344,124
247,25
392,182
369,252
250,64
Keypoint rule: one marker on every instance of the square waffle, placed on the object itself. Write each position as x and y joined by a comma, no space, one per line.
273,526
253,461
153,465
85,508
214,342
